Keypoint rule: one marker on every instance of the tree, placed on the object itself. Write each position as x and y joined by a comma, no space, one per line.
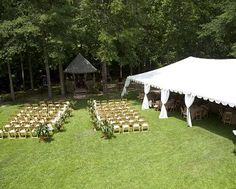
222,29
144,34
62,40
53,20
13,34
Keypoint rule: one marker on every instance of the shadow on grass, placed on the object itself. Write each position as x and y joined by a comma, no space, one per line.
49,140
32,96
105,138
79,104
60,131
66,122
212,124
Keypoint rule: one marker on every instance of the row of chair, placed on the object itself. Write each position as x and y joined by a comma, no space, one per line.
123,118
28,119
198,115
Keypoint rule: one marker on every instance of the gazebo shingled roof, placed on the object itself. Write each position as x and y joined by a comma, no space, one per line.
80,65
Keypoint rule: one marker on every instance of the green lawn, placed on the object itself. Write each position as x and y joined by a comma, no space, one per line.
170,155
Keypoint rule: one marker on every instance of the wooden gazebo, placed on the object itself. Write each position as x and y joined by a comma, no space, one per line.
80,65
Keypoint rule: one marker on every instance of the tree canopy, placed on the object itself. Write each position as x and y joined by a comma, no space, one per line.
138,35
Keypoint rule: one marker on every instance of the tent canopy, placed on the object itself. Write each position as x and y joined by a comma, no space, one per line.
210,79
80,65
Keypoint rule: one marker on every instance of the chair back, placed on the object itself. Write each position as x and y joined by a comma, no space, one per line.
228,115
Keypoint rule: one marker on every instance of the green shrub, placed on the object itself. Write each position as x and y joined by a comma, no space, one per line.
107,129
59,124
43,132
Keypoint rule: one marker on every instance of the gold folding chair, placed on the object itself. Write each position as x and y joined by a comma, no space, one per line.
22,133
144,126
1,134
227,117
125,127
116,128
12,133
136,127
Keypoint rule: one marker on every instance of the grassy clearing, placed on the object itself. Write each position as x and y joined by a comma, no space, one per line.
171,155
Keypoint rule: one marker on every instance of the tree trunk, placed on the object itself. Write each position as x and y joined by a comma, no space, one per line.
150,65
131,69
45,54
30,73
121,72
104,77
144,66
62,81
22,71
11,83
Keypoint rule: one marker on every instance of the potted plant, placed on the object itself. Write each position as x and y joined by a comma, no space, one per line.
43,132
107,129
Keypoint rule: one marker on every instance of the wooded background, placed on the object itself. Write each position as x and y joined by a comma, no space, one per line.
127,36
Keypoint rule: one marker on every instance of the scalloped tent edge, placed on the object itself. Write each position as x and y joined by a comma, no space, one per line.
210,79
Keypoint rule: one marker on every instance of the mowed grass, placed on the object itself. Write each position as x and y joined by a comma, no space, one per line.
170,155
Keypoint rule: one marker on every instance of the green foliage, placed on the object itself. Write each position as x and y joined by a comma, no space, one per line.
96,123
90,103
68,112
107,129
43,131
233,52
59,123
222,29
129,33
117,6
17,35
107,50
93,118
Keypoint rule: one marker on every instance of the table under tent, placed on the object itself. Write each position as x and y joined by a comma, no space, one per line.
207,79
77,74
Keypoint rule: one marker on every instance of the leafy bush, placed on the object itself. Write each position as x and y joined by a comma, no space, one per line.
107,129
59,124
73,104
96,123
43,132
68,113
90,102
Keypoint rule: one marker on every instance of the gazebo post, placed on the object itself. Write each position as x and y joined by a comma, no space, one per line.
74,80
94,80
74,77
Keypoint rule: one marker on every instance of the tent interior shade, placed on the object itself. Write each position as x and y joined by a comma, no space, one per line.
80,65
210,79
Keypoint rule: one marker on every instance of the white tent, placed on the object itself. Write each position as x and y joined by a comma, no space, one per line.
210,79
